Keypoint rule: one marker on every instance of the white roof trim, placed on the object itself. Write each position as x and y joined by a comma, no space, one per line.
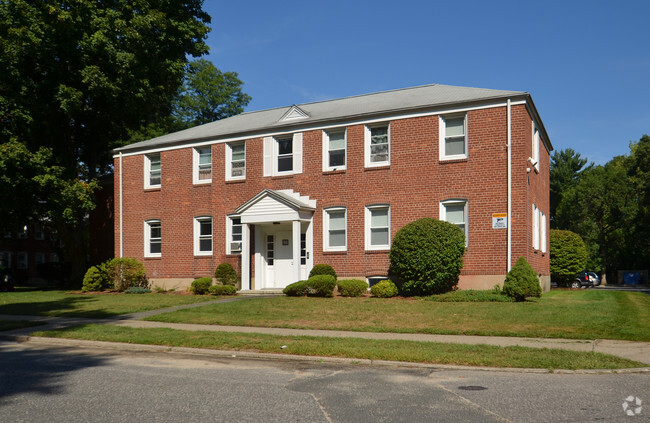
294,113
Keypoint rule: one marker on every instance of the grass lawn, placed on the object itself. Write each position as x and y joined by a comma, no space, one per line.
63,303
17,324
409,351
576,314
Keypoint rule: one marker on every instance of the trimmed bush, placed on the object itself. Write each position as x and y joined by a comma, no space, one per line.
384,289
95,279
322,269
124,273
521,282
201,286
137,290
296,289
426,257
568,256
321,286
226,274
352,287
222,290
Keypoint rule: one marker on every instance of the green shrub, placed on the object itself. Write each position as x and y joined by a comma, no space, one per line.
201,286
296,289
471,296
384,289
521,282
95,279
352,287
137,290
223,290
426,257
322,269
568,256
321,286
124,273
226,274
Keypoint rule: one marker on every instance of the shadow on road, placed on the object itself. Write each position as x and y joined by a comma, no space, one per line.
40,371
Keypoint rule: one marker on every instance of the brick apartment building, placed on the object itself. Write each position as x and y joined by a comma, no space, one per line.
276,191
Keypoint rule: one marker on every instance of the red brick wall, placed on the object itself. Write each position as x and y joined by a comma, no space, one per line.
414,184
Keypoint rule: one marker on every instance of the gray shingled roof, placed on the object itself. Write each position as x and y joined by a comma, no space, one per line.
367,105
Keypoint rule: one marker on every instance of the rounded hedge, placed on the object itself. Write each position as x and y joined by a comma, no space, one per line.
521,282
296,289
426,257
222,290
322,269
352,287
95,279
568,256
201,286
226,274
384,289
124,273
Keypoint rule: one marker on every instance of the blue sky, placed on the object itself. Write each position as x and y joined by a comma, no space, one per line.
586,63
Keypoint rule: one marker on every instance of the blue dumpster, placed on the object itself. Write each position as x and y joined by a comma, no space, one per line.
632,278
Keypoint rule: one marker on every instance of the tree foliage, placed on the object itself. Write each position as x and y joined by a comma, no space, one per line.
568,256
566,167
521,281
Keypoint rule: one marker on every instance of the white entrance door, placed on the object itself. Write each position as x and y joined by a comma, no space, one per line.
283,262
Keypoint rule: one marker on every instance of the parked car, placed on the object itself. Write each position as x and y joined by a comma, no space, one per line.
6,281
585,280
594,278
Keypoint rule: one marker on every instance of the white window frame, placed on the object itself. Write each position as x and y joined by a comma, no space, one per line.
370,278
368,227
455,202
271,154
542,231
367,143
535,147
229,161
22,260
443,137
230,224
326,149
39,233
535,227
196,165
147,238
39,258
198,237
147,171
326,229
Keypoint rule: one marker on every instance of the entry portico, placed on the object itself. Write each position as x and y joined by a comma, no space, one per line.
281,221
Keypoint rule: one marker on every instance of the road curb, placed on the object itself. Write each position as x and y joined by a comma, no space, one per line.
118,346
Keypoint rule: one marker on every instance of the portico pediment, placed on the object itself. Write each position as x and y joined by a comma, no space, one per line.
276,206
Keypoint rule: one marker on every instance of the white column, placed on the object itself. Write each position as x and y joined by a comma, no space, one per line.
309,246
245,257
260,270
296,250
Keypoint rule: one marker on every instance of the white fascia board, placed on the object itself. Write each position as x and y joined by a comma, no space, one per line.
338,124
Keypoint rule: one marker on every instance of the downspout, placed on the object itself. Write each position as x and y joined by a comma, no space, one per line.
509,147
121,219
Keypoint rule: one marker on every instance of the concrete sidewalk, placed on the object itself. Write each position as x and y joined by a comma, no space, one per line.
637,351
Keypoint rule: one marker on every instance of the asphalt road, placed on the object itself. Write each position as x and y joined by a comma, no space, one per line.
61,384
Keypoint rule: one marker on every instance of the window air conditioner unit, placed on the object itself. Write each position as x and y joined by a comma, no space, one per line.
235,246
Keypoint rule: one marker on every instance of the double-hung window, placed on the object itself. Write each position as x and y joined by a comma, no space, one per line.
335,229
283,154
455,211
377,227
22,260
539,229
236,160
202,165
152,238
377,145
202,236
5,259
334,146
234,236
152,170
535,155
453,137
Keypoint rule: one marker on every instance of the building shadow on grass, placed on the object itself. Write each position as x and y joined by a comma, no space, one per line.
64,307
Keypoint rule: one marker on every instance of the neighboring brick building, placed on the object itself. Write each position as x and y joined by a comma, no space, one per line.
276,191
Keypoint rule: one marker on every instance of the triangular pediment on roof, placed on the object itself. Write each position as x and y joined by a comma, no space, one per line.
276,206
294,113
